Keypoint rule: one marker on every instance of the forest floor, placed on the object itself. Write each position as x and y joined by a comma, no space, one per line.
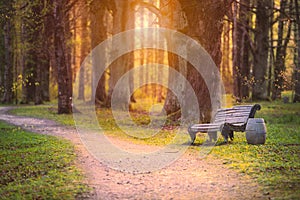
189,177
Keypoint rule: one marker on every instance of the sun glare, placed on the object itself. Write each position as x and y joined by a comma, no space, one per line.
145,18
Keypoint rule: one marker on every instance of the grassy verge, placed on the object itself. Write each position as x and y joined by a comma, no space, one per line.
276,165
106,121
48,111
37,166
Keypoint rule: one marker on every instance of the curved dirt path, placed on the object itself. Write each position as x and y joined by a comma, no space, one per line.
187,178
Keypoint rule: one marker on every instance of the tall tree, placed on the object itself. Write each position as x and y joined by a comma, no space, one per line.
8,73
63,60
172,105
98,35
47,46
279,67
7,13
201,29
38,54
119,66
245,16
2,59
36,31
260,65
84,49
226,58
236,52
271,54
297,40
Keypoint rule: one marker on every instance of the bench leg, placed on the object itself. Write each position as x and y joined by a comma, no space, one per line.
212,136
230,134
192,135
227,133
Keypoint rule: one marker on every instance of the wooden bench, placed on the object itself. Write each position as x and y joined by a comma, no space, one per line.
226,121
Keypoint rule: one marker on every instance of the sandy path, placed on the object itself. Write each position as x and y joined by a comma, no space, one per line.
187,178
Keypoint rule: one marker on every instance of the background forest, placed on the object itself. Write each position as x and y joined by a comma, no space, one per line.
254,43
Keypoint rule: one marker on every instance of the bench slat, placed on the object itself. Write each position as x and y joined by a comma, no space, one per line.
232,115
235,120
231,119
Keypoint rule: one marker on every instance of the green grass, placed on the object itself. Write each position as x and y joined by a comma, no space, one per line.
106,121
275,165
48,111
37,166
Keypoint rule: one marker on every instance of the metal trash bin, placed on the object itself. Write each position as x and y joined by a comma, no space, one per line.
256,131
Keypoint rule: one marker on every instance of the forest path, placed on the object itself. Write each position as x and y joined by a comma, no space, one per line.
189,177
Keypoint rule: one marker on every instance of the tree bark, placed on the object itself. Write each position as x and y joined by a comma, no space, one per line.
245,48
259,90
271,54
130,56
297,68
226,58
172,105
36,33
205,24
98,35
38,48
47,46
236,53
63,61
119,66
8,75
2,60
279,67
84,48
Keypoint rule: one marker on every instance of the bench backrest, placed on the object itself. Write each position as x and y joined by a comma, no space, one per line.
237,115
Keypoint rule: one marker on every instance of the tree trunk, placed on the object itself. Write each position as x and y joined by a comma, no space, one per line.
245,47
279,67
205,27
259,90
23,63
130,56
236,53
62,59
119,67
8,72
45,74
39,36
35,53
297,68
271,55
2,61
172,105
84,48
98,35
160,76
38,87
47,47
225,67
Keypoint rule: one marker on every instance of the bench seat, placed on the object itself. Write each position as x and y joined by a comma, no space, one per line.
226,120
